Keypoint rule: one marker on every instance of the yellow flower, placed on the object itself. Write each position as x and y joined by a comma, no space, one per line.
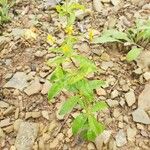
50,39
91,34
65,48
69,30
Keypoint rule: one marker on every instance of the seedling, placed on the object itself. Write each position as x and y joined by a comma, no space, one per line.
4,10
133,37
68,10
74,79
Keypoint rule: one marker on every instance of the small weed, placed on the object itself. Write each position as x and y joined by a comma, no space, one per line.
4,11
133,37
75,79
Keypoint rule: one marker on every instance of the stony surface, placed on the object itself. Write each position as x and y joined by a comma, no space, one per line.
121,138
26,136
23,49
130,98
18,81
139,115
144,100
33,88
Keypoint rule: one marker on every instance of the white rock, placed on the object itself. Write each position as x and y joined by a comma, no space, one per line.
116,2
45,114
80,14
46,87
131,133
90,146
106,136
33,88
18,81
139,115
5,122
130,98
40,53
26,136
144,98
147,75
121,138
106,65
114,94
112,103
97,5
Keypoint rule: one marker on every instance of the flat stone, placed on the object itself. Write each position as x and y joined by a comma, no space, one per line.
114,94
26,136
33,88
98,6
3,104
45,114
139,115
52,2
121,138
130,98
144,98
46,87
112,103
146,76
131,133
5,122
105,65
18,81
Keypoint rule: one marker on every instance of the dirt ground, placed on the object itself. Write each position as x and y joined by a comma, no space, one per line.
25,100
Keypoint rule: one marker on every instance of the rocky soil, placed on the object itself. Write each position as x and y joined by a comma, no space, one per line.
28,121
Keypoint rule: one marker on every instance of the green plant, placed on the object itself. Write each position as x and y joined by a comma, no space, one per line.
4,10
133,37
73,78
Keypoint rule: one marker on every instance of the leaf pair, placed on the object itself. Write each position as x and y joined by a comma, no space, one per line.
87,126
112,35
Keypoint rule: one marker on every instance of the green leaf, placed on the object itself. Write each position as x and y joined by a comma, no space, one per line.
71,19
94,84
55,61
91,135
69,105
78,123
55,89
112,35
95,126
104,39
133,54
99,106
116,34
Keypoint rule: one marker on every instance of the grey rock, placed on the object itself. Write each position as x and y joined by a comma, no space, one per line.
130,98
139,115
144,98
18,81
26,136
121,138
46,87
33,88
52,2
